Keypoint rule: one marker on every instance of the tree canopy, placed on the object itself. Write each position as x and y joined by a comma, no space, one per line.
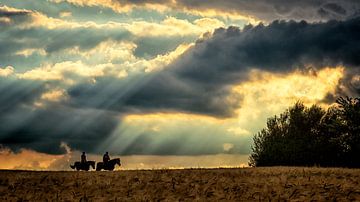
308,136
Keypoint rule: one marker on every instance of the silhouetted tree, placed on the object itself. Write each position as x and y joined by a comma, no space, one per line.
349,112
303,136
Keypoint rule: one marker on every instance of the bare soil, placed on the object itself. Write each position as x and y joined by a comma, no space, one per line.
240,184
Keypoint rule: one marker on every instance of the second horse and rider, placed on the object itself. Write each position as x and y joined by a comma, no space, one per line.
107,164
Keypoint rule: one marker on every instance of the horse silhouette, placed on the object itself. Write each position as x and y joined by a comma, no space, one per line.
83,166
109,165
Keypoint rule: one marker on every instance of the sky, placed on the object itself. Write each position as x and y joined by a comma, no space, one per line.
164,83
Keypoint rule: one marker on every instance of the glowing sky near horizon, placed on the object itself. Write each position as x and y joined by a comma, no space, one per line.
161,83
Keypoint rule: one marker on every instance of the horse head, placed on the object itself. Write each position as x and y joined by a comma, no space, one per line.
117,161
76,165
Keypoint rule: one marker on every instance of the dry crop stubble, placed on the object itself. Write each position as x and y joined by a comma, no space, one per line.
238,184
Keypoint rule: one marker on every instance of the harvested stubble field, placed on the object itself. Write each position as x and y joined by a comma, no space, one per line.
241,184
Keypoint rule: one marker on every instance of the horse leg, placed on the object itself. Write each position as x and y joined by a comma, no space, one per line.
111,167
98,167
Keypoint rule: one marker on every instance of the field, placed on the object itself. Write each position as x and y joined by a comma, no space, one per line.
237,184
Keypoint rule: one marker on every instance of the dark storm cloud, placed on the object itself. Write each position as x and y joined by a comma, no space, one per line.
200,80
43,129
280,47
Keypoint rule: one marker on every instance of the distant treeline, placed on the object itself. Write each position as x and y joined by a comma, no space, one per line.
303,136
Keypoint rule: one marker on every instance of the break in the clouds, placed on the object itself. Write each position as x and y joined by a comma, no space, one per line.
166,77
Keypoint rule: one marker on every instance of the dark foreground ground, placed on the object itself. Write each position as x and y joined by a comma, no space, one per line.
245,184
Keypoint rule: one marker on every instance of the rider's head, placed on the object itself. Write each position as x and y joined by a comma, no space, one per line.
83,152
107,152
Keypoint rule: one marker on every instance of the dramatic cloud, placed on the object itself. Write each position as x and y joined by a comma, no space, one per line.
280,47
200,80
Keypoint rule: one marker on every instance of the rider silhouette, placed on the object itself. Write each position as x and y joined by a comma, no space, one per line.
83,158
106,158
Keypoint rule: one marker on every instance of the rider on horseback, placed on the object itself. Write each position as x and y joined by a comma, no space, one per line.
83,158
106,158
84,164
